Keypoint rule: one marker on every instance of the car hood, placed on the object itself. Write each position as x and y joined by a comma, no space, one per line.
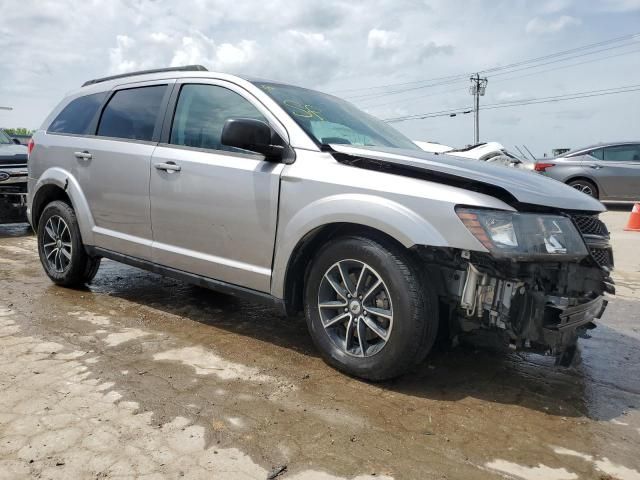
13,154
526,187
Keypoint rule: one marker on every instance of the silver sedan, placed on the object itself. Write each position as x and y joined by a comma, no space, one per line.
607,171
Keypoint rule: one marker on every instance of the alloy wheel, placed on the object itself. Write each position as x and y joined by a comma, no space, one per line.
57,244
355,308
584,188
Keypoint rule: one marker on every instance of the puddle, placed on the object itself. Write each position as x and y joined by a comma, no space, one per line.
541,472
92,318
603,465
207,363
127,334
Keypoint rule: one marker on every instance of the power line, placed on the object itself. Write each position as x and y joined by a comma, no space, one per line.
565,66
632,36
562,59
395,92
516,103
461,89
464,110
457,78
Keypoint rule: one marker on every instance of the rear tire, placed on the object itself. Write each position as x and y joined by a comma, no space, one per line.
585,186
397,320
60,247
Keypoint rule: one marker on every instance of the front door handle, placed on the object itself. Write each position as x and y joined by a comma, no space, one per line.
168,167
83,155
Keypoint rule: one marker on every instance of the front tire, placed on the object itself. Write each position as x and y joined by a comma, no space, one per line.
368,312
60,247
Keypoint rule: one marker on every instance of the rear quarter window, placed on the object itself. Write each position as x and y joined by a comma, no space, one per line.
76,117
598,153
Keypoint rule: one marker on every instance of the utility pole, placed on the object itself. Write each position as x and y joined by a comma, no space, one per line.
477,89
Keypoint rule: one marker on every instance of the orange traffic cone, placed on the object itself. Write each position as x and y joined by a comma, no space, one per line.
633,224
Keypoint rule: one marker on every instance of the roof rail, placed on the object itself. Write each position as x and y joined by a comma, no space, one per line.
186,68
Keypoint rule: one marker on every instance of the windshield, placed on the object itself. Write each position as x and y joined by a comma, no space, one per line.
4,138
328,119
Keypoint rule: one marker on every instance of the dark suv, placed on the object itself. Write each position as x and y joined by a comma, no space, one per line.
13,180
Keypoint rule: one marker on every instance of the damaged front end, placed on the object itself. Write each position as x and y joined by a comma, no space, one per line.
539,288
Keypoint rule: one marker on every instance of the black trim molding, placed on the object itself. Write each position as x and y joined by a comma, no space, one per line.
200,280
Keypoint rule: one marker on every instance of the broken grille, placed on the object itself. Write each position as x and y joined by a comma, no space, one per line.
596,233
591,225
603,256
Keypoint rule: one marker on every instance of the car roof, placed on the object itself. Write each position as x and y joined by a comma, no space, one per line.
108,83
596,145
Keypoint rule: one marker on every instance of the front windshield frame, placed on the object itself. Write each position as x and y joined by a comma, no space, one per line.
377,133
4,138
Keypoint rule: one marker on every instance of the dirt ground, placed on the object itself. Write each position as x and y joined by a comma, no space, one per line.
140,376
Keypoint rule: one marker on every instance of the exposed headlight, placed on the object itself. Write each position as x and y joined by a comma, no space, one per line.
513,234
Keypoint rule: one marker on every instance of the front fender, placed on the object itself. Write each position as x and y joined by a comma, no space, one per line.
67,182
392,218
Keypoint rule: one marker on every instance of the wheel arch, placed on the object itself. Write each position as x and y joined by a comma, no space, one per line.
366,212
57,184
302,256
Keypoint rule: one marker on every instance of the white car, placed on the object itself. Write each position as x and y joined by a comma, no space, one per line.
492,152
433,147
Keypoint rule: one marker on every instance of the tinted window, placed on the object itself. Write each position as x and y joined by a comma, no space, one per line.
201,113
623,153
596,153
76,117
132,113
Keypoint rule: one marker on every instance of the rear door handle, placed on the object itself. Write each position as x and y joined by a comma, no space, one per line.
83,155
595,166
168,167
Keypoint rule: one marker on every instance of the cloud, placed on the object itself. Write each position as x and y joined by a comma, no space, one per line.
309,59
340,46
393,48
380,40
574,114
506,95
507,119
555,6
621,5
539,25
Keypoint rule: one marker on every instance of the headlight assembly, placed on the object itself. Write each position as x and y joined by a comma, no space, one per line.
524,235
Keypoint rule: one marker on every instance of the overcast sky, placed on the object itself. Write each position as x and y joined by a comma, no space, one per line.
344,46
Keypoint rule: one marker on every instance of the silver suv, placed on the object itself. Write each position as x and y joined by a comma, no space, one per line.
296,198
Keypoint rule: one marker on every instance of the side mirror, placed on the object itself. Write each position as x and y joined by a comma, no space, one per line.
253,135
16,141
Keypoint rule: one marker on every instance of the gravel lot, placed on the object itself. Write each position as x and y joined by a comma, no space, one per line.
140,376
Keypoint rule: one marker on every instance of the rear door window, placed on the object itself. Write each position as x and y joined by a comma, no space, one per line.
76,117
132,113
622,153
